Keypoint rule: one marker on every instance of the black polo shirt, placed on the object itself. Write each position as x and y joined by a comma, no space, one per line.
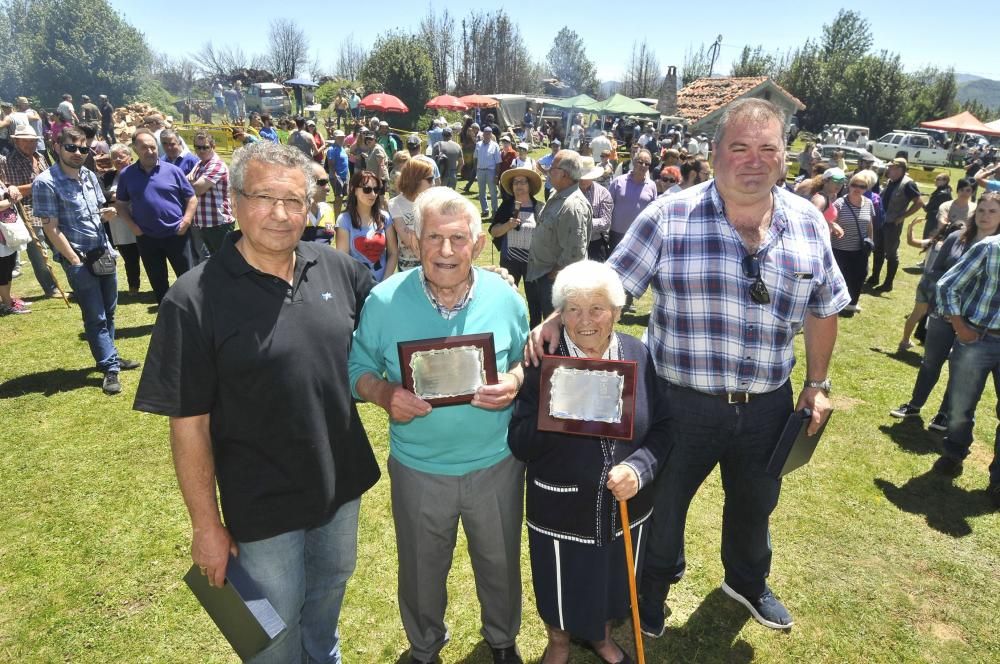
268,362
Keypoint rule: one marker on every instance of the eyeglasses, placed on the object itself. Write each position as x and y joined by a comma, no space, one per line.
436,239
670,180
199,148
322,183
758,289
372,190
71,148
266,203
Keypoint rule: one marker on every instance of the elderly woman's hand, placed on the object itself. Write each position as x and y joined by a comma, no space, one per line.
504,274
623,483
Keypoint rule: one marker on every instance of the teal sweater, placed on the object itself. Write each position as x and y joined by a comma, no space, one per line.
451,440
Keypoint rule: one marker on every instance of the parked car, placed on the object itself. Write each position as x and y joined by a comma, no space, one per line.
917,148
856,135
268,98
851,155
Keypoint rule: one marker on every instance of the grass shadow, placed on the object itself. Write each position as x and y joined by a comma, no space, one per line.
147,297
907,357
127,332
945,507
481,653
910,435
709,635
50,382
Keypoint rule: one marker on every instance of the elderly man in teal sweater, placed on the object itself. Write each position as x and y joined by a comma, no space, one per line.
449,463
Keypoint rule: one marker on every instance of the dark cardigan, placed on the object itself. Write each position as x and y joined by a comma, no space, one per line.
567,497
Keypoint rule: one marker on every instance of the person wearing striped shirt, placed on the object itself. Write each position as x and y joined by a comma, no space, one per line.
213,218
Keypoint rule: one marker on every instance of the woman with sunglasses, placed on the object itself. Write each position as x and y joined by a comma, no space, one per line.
365,230
853,213
320,223
415,177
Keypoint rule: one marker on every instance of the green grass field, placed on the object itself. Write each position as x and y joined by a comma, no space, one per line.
878,560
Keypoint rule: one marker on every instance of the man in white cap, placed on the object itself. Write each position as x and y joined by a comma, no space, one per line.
388,142
602,206
413,148
18,171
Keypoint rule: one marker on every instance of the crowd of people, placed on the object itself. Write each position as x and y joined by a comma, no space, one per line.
738,259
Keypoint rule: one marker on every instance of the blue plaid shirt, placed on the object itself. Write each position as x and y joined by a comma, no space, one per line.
75,203
971,288
705,332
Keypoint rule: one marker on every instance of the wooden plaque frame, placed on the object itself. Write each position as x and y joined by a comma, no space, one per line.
622,430
484,341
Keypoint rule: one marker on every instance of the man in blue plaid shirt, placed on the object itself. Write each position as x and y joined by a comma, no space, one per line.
738,266
969,296
68,199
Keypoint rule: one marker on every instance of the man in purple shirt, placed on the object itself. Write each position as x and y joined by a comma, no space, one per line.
157,202
631,193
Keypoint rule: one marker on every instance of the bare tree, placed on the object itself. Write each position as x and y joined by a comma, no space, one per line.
350,60
219,63
438,32
642,72
697,64
177,75
492,56
288,45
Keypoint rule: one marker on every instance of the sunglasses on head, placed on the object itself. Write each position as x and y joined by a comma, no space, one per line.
70,147
371,190
758,289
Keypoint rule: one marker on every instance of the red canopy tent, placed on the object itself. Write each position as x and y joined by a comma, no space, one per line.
447,103
384,102
479,101
964,122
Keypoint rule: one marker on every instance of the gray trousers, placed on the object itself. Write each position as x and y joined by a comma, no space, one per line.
426,509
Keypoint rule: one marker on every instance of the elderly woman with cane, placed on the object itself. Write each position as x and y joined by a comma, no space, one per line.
577,486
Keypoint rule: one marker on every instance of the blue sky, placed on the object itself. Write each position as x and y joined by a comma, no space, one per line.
914,30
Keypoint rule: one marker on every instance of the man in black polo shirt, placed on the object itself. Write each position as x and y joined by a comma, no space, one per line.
275,427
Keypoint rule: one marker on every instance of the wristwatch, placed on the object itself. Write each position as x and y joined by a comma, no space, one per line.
824,385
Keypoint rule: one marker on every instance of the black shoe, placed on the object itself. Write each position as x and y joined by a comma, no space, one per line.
508,655
871,282
111,383
939,423
587,645
948,466
904,411
766,609
128,365
993,491
652,616
885,288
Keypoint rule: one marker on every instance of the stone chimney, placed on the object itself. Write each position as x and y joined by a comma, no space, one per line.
667,103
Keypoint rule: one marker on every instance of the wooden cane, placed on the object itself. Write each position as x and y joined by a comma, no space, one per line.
41,250
640,654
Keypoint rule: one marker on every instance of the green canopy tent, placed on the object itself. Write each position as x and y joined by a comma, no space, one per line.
569,103
619,104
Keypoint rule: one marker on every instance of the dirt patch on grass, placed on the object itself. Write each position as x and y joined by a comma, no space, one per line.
842,402
943,631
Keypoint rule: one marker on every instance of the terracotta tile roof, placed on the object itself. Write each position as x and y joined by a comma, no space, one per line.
705,95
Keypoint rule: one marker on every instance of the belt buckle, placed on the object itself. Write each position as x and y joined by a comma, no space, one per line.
734,398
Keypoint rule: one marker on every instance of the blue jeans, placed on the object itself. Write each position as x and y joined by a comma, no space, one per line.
970,365
304,574
740,439
98,298
37,257
486,177
937,346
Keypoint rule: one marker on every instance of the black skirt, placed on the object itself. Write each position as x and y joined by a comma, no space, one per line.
580,587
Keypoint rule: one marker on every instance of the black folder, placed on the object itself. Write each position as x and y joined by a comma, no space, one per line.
795,447
240,610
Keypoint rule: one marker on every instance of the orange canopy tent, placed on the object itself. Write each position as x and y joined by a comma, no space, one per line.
964,122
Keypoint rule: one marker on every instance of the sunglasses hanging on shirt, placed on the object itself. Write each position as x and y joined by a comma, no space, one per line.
758,289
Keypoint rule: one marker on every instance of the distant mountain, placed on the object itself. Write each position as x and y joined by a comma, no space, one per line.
983,90
965,78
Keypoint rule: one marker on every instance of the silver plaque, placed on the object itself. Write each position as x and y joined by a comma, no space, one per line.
580,394
447,372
